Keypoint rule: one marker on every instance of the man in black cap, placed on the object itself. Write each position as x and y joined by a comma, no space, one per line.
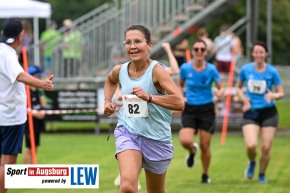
11,30
13,108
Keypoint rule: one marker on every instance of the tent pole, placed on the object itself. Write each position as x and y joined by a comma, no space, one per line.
36,41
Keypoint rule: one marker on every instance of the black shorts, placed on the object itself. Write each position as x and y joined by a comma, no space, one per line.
199,117
180,60
38,127
266,117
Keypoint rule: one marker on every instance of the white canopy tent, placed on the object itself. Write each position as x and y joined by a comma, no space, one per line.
27,9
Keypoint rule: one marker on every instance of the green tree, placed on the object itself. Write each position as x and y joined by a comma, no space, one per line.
280,26
280,29
72,9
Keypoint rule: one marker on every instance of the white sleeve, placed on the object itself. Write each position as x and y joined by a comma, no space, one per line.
12,68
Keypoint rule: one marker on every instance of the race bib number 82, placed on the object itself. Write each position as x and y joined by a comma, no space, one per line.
134,106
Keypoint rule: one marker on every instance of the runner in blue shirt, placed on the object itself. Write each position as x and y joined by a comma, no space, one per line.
199,115
260,113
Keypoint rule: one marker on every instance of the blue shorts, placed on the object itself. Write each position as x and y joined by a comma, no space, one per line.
157,155
11,138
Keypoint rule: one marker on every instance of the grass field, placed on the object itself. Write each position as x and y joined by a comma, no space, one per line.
226,172
283,107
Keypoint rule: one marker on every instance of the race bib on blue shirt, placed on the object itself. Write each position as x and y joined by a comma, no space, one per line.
257,86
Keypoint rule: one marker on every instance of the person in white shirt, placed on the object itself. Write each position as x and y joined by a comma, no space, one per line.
12,94
223,50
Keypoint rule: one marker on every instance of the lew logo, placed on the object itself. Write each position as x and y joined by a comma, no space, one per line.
83,176
51,176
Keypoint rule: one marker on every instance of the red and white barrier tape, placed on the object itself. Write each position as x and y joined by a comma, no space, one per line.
59,112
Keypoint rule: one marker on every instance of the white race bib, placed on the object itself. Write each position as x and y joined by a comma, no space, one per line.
257,86
134,106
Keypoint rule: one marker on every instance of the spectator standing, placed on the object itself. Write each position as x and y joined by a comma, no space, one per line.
72,49
28,35
27,40
38,103
49,38
223,51
12,94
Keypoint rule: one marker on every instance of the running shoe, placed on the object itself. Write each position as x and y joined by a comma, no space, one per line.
190,157
249,172
262,178
205,179
117,181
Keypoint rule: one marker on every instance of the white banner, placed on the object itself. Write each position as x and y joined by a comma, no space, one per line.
51,176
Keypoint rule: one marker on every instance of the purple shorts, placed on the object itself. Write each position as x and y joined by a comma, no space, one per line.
157,155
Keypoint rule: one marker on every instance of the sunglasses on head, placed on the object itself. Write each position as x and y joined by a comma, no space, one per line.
197,49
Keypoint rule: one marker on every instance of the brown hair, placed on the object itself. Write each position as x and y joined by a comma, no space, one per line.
260,44
199,41
142,29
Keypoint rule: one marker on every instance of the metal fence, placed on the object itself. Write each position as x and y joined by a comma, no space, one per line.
95,40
